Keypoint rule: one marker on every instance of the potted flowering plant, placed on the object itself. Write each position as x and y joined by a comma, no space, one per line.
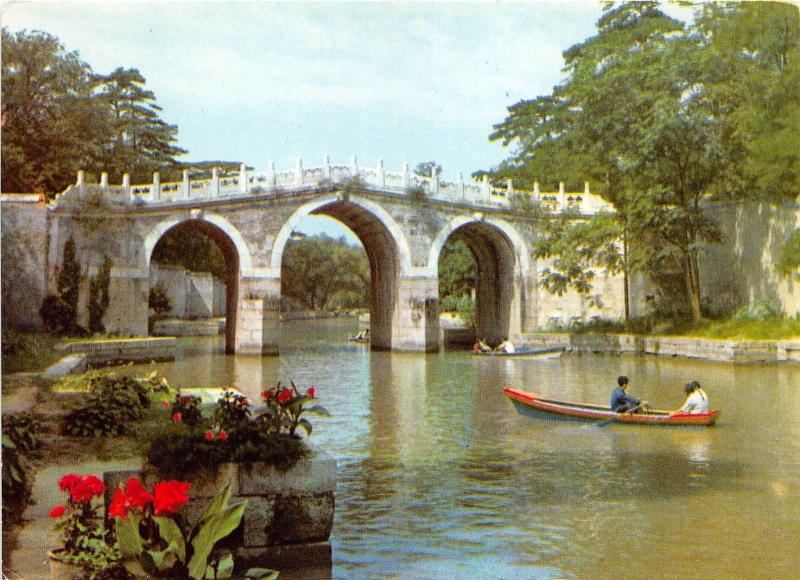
156,542
86,550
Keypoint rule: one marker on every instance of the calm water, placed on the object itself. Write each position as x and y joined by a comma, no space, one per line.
439,477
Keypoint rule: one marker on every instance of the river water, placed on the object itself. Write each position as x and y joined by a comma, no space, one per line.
439,477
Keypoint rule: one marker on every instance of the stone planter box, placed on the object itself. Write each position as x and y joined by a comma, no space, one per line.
289,514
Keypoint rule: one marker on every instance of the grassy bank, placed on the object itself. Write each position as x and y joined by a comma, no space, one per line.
777,328
28,351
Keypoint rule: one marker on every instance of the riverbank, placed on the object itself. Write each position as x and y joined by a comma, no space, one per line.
718,350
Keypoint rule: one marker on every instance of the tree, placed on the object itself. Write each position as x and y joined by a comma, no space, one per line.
187,247
98,296
142,142
53,126
60,117
672,137
425,169
456,270
319,271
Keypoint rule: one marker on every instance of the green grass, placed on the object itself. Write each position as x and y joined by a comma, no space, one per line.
28,351
772,328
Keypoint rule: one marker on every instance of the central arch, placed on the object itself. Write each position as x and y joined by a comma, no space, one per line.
500,256
234,251
384,243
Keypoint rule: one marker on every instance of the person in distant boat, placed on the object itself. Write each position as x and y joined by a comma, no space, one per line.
696,399
363,335
621,402
505,346
481,346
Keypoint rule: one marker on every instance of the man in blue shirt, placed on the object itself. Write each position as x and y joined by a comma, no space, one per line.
620,401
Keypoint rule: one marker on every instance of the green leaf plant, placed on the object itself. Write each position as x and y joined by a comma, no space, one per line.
156,542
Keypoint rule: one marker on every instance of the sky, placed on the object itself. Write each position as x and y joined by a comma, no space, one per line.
271,81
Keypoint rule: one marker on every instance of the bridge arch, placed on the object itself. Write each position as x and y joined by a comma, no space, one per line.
238,261
384,242
501,256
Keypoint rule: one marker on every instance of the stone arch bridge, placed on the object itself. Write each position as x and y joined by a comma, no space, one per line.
402,219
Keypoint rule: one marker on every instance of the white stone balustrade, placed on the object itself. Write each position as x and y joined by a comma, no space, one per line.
301,178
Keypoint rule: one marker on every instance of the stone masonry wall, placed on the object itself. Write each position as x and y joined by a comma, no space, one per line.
741,270
24,259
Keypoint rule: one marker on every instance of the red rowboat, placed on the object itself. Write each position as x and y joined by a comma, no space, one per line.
534,405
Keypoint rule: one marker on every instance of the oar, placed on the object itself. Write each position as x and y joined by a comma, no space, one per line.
617,416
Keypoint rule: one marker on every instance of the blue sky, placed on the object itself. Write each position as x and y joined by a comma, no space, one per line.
261,81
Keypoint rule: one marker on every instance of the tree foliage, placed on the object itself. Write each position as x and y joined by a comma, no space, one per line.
187,247
655,113
60,116
323,273
457,270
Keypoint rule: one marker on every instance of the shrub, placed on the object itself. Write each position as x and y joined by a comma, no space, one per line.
758,310
20,440
56,315
186,410
110,405
159,301
98,296
68,283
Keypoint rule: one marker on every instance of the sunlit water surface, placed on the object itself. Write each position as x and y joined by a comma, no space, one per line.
438,476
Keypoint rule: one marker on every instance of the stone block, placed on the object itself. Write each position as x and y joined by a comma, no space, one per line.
301,518
313,474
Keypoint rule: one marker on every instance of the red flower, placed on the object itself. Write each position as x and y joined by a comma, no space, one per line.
164,404
209,435
284,396
312,392
85,488
58,511
266,395
66,482
119,505
176,417
223,435
169,496
136,494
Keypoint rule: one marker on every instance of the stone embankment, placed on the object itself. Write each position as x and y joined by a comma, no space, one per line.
82,354
719,350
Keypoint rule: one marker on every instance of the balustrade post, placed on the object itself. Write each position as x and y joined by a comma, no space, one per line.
272,179
381,175
80,184
155,190
126,188
327,172
242,178
561,193
104,180
486,189
461,185
186,187
585,188
536,190
354,167
406,176
509,188
298,172
214,182
434,180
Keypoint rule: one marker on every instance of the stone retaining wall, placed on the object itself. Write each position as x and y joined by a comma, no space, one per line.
127,349
733,351
289,514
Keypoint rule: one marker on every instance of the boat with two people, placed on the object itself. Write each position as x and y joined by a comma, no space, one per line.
532,404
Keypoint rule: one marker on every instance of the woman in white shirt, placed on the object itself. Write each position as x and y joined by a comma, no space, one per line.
696,401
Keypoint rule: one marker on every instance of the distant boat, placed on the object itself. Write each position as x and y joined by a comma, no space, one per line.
355,338
552,352
532,404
